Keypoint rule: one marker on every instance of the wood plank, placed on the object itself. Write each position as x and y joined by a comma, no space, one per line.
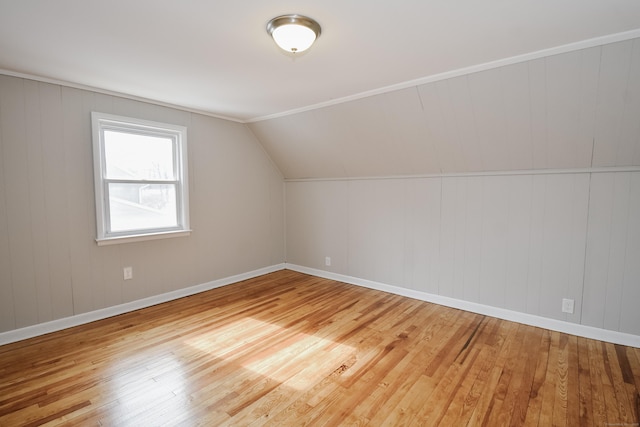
7,307
618,231
80,195
522,384
469,147
629,313
55,170
486,93
450,127
619,377
538,98
536,244
449,235
570,106
423,237
470,252
585,390
561,405
13,124
489,409
517,106
494,234
629,152
615,66
38,208
519,236
431,95
289,349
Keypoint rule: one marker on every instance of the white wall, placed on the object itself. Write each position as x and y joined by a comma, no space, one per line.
50,265
519,242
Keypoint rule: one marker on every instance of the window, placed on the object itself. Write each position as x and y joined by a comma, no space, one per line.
140,170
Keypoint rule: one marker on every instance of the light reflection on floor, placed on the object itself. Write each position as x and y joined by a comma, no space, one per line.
155,387
280,355
147,391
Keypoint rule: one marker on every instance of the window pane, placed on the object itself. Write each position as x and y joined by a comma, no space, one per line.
131,156
142,206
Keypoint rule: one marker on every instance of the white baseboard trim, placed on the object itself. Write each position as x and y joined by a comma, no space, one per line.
500,313
92,316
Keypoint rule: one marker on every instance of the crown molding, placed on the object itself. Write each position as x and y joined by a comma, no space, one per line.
114,93
583,44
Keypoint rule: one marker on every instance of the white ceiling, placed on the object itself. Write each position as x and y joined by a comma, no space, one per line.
216,57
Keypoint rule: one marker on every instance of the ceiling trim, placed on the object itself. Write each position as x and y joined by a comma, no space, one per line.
608,169
584,44
115,93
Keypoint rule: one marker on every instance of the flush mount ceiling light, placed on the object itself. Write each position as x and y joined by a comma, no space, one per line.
293,33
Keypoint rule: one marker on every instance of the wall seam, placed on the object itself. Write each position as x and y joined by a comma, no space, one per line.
614,169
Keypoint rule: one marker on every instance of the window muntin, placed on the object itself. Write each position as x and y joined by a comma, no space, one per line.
140,178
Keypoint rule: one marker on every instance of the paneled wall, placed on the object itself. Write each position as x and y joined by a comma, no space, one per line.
612,282
579,109
50,265
518,242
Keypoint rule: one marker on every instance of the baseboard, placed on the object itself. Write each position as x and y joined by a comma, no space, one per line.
500,313
92,316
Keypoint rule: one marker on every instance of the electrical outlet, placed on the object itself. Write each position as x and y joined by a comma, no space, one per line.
327,261
128,273
567,305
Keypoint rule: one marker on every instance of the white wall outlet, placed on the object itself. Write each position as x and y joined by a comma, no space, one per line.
128,273
327,261
567,305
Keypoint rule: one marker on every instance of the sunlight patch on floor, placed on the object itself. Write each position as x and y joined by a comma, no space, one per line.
277,353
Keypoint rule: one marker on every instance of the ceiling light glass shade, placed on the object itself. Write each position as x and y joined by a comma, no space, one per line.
293,33
294,38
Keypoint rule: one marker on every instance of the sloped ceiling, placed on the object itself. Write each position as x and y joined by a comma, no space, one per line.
216,56
579,109
390,88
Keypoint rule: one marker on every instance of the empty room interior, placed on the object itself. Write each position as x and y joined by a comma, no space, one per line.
352,212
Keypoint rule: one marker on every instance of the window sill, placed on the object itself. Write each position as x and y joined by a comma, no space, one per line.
141,237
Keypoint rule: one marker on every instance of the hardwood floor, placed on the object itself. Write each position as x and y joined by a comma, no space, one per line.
287,349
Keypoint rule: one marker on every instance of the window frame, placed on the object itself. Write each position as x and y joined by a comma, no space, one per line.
101,122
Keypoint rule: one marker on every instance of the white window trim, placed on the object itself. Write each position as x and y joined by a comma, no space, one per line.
101,121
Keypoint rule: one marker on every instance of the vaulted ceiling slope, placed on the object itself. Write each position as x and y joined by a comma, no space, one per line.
579,109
